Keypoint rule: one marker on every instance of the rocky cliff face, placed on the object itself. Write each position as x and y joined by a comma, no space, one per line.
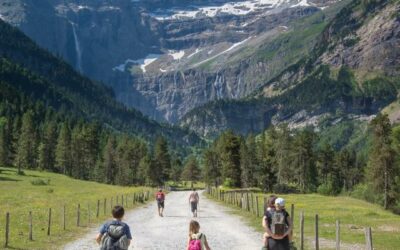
353,71
93,36
166,57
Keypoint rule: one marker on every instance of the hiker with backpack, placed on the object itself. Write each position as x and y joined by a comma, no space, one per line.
270,208
160,198
194,201
115,234
196,240
278,227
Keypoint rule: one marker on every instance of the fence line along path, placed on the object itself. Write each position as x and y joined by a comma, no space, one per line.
223,229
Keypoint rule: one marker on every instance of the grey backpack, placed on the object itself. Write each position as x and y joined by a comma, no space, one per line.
114,238
278,225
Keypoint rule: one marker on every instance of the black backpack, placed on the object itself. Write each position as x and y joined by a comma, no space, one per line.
115,238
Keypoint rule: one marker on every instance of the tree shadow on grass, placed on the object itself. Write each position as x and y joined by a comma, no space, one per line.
2,178
15,248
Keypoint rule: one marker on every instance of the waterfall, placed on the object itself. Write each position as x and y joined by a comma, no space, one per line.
77,49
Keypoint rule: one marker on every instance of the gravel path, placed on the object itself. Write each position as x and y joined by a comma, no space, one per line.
224,231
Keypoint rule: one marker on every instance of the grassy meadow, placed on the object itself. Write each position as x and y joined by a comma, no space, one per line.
354,216
38,191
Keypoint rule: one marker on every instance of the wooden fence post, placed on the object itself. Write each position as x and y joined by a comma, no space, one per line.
116,203
49,223
247,202
7,229
78,215
316,233
258,211
253,203
88,211
30,226
292,219
368,239
63,217
98,209
337,235
105,206
122,200
292,212
265,204
111,203
302,231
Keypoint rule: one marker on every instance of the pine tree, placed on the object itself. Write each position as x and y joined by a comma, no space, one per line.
110,160
176,170
26,151
229,150
90,148
212,167
162,159
148,172
303,160
63,150
381,159
325,162
4,143
282,143
266,156
191,171
47,148
77,153
248,161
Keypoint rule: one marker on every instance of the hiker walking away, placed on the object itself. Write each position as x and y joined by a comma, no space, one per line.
115,234
160,198
194,201
279,226
196,240
270,208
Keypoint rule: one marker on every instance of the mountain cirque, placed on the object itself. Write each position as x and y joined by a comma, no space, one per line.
164,57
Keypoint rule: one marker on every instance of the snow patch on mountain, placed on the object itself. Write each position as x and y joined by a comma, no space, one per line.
177,55
142,63
232,8
223,52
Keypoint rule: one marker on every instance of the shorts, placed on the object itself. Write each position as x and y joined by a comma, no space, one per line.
193,205
160,204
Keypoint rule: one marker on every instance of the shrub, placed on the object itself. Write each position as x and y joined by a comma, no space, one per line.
228,182
40,182
365,192
285,189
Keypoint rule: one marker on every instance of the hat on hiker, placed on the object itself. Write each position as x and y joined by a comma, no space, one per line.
280,202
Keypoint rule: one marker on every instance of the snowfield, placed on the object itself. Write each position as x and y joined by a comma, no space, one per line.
233,8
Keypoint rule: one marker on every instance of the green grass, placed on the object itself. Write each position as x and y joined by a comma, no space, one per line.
354,216
38,191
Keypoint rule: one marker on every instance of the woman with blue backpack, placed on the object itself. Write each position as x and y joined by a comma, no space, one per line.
196,240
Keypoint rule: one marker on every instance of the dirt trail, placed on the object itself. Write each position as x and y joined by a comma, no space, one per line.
223,230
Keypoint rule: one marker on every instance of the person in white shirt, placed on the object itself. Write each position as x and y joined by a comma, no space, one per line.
194,201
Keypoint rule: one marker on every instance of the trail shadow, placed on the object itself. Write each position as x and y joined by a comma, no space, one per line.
32,175
2,178
208,217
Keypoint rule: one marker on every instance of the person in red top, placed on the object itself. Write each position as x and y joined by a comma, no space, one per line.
160,197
